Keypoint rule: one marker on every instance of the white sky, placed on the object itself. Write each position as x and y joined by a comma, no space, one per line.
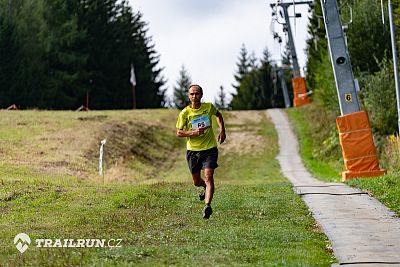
206,36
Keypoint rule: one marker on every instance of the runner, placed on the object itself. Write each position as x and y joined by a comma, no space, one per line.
195,123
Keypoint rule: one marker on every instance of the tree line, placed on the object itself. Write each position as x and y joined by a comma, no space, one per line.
55,53
256,86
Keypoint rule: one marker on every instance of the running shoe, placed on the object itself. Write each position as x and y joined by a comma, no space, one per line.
207,211
202,195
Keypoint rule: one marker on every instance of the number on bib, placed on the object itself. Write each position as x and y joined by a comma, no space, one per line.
201,122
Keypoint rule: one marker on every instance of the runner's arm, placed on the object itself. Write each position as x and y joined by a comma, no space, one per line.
182,133
221,124
180,126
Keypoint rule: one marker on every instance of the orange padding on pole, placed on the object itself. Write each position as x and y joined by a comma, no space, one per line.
300,92
358,147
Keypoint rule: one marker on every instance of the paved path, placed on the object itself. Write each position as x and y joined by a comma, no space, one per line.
362,231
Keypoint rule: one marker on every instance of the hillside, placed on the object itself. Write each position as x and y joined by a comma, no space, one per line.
50,189
67,143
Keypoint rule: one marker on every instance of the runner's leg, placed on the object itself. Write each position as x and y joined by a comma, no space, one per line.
197,181
209,182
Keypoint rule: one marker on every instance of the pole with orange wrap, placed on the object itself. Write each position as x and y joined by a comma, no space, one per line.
355,135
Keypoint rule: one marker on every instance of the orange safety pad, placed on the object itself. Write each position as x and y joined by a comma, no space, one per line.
347,175
358,143
358,147
299,91
368,163
354,121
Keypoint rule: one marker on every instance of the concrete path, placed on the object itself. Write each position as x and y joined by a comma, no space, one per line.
362,231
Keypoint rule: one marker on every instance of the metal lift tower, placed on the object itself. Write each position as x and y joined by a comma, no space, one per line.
299,84
355,133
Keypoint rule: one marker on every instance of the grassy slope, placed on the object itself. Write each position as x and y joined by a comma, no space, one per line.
52,191
386,188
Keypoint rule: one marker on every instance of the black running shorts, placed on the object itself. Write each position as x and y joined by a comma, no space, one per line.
206,159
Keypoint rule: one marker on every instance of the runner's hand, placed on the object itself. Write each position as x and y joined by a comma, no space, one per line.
221,137
199,131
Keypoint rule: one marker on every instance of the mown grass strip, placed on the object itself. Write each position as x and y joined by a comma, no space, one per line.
326,169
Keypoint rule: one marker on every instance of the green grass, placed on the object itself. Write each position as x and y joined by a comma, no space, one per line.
386,189
258,220
306,123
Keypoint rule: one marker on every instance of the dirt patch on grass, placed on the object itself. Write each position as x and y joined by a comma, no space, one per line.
240,143
242,133
245,117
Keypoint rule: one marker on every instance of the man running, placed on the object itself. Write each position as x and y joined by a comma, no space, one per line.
195,123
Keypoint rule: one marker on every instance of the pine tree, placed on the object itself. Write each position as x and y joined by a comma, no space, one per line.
30,86
150,81
117,38
270,96
243,67
53,52
253,61
246,97
221,102
64,57
181,99
256,90
9,61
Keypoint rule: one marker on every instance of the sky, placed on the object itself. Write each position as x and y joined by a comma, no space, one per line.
206,36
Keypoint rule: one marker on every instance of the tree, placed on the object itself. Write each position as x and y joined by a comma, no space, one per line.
150,81
24,20
256,90
246,97
53,52
243,67
221,102
368,38
379,97
117,38
64,58
271,96
9,52
181,99
253,61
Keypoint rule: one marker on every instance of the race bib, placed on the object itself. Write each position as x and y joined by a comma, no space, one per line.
201,122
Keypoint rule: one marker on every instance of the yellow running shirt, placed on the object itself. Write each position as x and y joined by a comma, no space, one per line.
190,119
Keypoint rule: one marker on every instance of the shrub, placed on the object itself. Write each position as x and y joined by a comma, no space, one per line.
325,91
379,97
391,153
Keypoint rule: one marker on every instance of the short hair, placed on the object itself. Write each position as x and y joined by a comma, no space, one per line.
196,85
